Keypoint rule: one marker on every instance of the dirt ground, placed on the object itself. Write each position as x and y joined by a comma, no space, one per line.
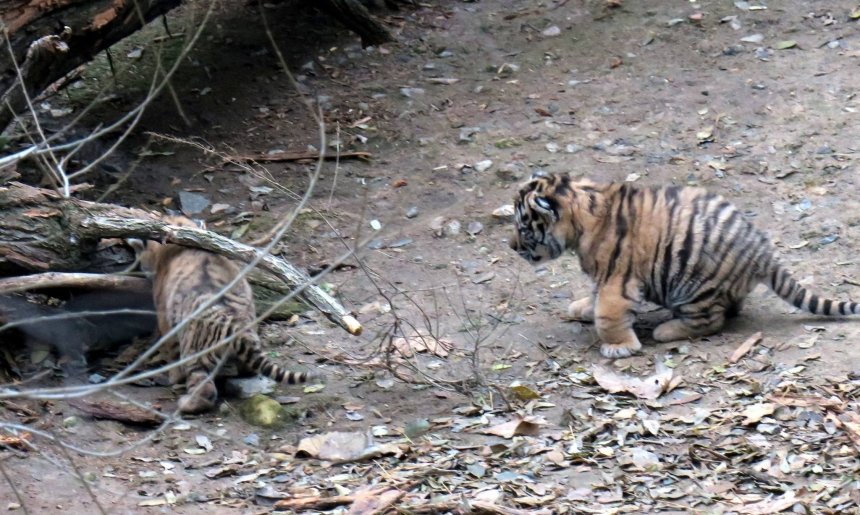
660,92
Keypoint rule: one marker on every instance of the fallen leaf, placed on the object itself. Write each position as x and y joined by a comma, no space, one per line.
756,412
785,45
525,393
650,388
769,507
528,426
343,447
399,183
616,64
745,347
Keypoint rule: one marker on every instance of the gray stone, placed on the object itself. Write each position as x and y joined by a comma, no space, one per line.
192,203
245,388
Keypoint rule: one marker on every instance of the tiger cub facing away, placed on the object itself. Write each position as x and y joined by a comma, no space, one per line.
686,249
183,280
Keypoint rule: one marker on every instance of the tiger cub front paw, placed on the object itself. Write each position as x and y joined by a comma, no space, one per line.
582,309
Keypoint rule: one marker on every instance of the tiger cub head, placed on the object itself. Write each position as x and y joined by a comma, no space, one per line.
551,214
150,252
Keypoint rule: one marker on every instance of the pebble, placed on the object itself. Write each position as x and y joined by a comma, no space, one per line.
446,53
573,148
552,31
97,378
511,172
411,92
552,148
412,213
192,203
70,421
466,134
252,439
483,166
474,228
245,388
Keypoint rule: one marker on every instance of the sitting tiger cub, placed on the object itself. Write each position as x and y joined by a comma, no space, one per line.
683,248
183,280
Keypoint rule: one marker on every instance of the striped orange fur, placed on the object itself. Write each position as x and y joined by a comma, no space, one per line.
183,280
686,249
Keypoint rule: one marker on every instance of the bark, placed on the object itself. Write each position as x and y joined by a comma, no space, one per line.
356,18
45,51
42,232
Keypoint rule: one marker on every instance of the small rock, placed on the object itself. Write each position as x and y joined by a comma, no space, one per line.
247,387
400,243
364,106
70,422
511,172
552,148
416,428
551,31
412,213
97,378
824,149
479,88
192,203
505,212
430,66
446,53
423,142
451,228
483,166
411,92
252,439
474,228
219,208
262,411
376,243
573,148
466,134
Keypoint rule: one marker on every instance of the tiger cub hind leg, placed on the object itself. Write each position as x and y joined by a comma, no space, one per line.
614,317
202,393
691,324
582,309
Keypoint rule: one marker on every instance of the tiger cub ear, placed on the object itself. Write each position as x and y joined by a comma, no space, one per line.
137,245
544,206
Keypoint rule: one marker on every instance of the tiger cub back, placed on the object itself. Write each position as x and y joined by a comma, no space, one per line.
186,279
686,249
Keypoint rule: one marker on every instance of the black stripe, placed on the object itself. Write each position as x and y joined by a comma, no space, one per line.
798,297
827,304
813,304
592,203
842,308
783,275
687,247
620,233
257,362
854,308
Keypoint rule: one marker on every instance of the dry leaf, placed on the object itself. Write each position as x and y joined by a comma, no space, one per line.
407,347
370,501
339,447
745,347
529,426
649,388
769,507
756,412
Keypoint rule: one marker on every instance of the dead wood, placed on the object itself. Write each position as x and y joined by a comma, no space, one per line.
72,280
46,50
16,442
311,155
119,412
355,16
41,232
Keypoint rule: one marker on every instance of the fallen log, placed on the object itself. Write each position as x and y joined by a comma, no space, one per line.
42,232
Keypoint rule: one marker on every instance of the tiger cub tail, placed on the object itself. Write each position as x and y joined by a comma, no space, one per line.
251,355
791,291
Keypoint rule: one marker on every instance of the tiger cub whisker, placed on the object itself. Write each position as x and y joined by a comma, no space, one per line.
684,248
186,279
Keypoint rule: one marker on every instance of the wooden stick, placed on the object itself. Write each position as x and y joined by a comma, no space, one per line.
298,155
120,412
186,236
72,280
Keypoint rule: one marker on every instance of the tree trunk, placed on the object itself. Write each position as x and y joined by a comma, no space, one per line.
356,18
45,53
41,232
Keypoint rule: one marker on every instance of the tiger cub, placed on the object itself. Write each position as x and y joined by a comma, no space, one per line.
183,280
683,248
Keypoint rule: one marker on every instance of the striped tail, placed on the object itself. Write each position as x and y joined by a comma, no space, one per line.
253,357
792,292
